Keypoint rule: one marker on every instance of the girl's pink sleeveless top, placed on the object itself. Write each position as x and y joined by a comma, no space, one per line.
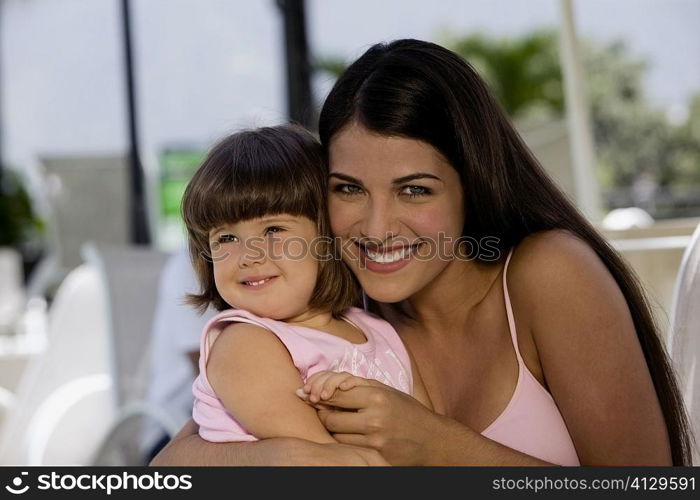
531,422
383,357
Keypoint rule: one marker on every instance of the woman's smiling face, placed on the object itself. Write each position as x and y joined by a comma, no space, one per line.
397,204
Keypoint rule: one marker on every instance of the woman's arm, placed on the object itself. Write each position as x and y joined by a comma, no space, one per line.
407,433
589,351
590,356
188,449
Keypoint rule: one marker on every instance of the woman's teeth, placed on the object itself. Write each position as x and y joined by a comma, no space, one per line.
389,257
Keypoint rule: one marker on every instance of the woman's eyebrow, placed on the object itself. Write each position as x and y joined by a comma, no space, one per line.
413,177
400,180
345,177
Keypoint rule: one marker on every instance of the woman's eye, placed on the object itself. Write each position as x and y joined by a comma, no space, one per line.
273,229
226,238
412,191
347,189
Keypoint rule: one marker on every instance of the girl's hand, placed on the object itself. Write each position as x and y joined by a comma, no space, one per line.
376,416
322,385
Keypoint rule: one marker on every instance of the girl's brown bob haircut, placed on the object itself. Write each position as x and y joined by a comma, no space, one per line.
254,173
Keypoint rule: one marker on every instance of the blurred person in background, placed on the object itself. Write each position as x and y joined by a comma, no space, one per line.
174,348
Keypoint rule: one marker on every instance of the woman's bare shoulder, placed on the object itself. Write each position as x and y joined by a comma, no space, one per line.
556,260
588,349
556,247
555,276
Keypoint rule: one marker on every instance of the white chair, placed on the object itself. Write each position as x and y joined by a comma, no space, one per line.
131,277
684,338
62,402
86,198
11,291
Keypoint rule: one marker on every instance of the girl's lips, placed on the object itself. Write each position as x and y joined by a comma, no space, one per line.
267,283
384,268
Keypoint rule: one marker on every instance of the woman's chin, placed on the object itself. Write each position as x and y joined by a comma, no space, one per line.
381,294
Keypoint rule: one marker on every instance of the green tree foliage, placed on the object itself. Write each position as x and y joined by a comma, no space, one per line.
18,224
634,140
524,73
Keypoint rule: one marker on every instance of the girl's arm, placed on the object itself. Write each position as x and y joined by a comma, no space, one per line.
322,385
253,375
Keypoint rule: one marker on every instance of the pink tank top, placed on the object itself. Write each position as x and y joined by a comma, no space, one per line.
531,422
383,357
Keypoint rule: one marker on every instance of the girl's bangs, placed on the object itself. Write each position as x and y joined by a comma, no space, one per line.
252,194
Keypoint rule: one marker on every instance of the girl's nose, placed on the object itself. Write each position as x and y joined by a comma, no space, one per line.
252,253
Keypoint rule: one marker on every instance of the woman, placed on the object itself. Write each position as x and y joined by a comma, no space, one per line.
534,340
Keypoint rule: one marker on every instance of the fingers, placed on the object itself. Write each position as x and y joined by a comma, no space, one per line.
344,422
352,439
359,398
322,385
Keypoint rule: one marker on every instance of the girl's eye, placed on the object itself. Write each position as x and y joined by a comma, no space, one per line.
348,189
413,191
273,229
227,238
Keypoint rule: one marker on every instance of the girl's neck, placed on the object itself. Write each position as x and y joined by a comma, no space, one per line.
312,318
448,301
325,322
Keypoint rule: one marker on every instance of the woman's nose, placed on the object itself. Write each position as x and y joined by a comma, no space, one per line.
379,222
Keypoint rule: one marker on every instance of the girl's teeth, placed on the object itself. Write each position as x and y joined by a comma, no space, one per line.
386,258
256,283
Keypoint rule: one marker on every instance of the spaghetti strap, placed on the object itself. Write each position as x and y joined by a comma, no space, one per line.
531,422
509,310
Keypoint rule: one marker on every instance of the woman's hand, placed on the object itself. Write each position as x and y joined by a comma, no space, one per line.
399,427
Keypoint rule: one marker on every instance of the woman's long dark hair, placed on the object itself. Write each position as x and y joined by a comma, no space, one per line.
420,90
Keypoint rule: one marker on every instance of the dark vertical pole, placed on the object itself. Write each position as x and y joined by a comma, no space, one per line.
2,151
299,103
137,201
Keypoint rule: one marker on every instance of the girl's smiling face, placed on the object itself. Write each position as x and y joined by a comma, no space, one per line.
397,204
265,265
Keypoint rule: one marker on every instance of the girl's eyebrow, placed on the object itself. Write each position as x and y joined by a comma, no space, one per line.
274,218
262,221
400,180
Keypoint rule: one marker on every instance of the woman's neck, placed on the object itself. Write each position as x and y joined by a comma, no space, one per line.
448,301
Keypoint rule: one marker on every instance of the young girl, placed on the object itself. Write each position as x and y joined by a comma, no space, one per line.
259,238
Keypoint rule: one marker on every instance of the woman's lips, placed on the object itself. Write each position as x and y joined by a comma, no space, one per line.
384,262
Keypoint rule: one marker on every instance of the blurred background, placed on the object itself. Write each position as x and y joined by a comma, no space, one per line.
108,106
